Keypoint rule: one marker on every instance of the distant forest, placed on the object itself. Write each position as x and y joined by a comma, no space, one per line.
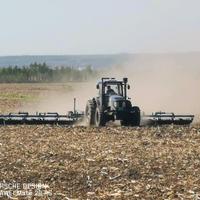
39,73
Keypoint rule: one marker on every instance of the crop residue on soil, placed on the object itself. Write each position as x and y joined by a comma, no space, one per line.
105,163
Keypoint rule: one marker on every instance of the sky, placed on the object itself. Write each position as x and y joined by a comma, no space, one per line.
54,27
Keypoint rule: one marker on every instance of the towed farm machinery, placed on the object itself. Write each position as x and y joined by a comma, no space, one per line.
111,104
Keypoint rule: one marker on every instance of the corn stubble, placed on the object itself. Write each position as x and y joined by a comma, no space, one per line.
104,163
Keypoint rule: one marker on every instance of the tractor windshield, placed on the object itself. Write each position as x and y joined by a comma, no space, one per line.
114,89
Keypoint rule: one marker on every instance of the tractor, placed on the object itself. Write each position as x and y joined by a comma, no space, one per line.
112,104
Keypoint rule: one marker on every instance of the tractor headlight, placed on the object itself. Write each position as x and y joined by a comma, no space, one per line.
115,104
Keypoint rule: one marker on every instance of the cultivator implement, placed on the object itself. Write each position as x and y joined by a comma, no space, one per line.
73,117
53,118
41,118
162,118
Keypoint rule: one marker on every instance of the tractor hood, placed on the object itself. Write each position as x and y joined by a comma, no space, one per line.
115,98
114,101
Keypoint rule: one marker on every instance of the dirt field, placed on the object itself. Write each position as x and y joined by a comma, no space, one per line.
15,96
98,163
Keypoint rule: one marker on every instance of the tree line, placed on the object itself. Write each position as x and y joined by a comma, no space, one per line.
39,73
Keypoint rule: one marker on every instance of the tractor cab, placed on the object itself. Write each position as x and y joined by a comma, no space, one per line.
112,92
110,87
109,91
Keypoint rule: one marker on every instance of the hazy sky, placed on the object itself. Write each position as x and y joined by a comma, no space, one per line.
98,26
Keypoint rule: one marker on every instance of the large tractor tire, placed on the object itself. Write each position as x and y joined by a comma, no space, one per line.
133,119
125,123
99,118
90,113
135,116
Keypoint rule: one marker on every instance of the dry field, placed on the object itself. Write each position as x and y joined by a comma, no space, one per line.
16,96
98,163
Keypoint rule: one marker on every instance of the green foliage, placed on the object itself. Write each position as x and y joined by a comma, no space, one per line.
41,73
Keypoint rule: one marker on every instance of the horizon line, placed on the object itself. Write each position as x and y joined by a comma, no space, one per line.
101,54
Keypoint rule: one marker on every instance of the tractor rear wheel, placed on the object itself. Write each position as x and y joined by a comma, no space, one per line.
124,123
99,118
90,113
135,116
133,119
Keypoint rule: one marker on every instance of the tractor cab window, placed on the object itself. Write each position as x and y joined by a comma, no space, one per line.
114,89
110,90
120,89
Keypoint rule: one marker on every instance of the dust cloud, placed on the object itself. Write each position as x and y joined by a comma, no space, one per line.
162,83
61,98
158,83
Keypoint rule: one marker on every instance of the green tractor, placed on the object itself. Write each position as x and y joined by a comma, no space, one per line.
112,104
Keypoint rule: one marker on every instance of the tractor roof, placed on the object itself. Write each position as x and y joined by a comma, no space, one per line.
109,81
